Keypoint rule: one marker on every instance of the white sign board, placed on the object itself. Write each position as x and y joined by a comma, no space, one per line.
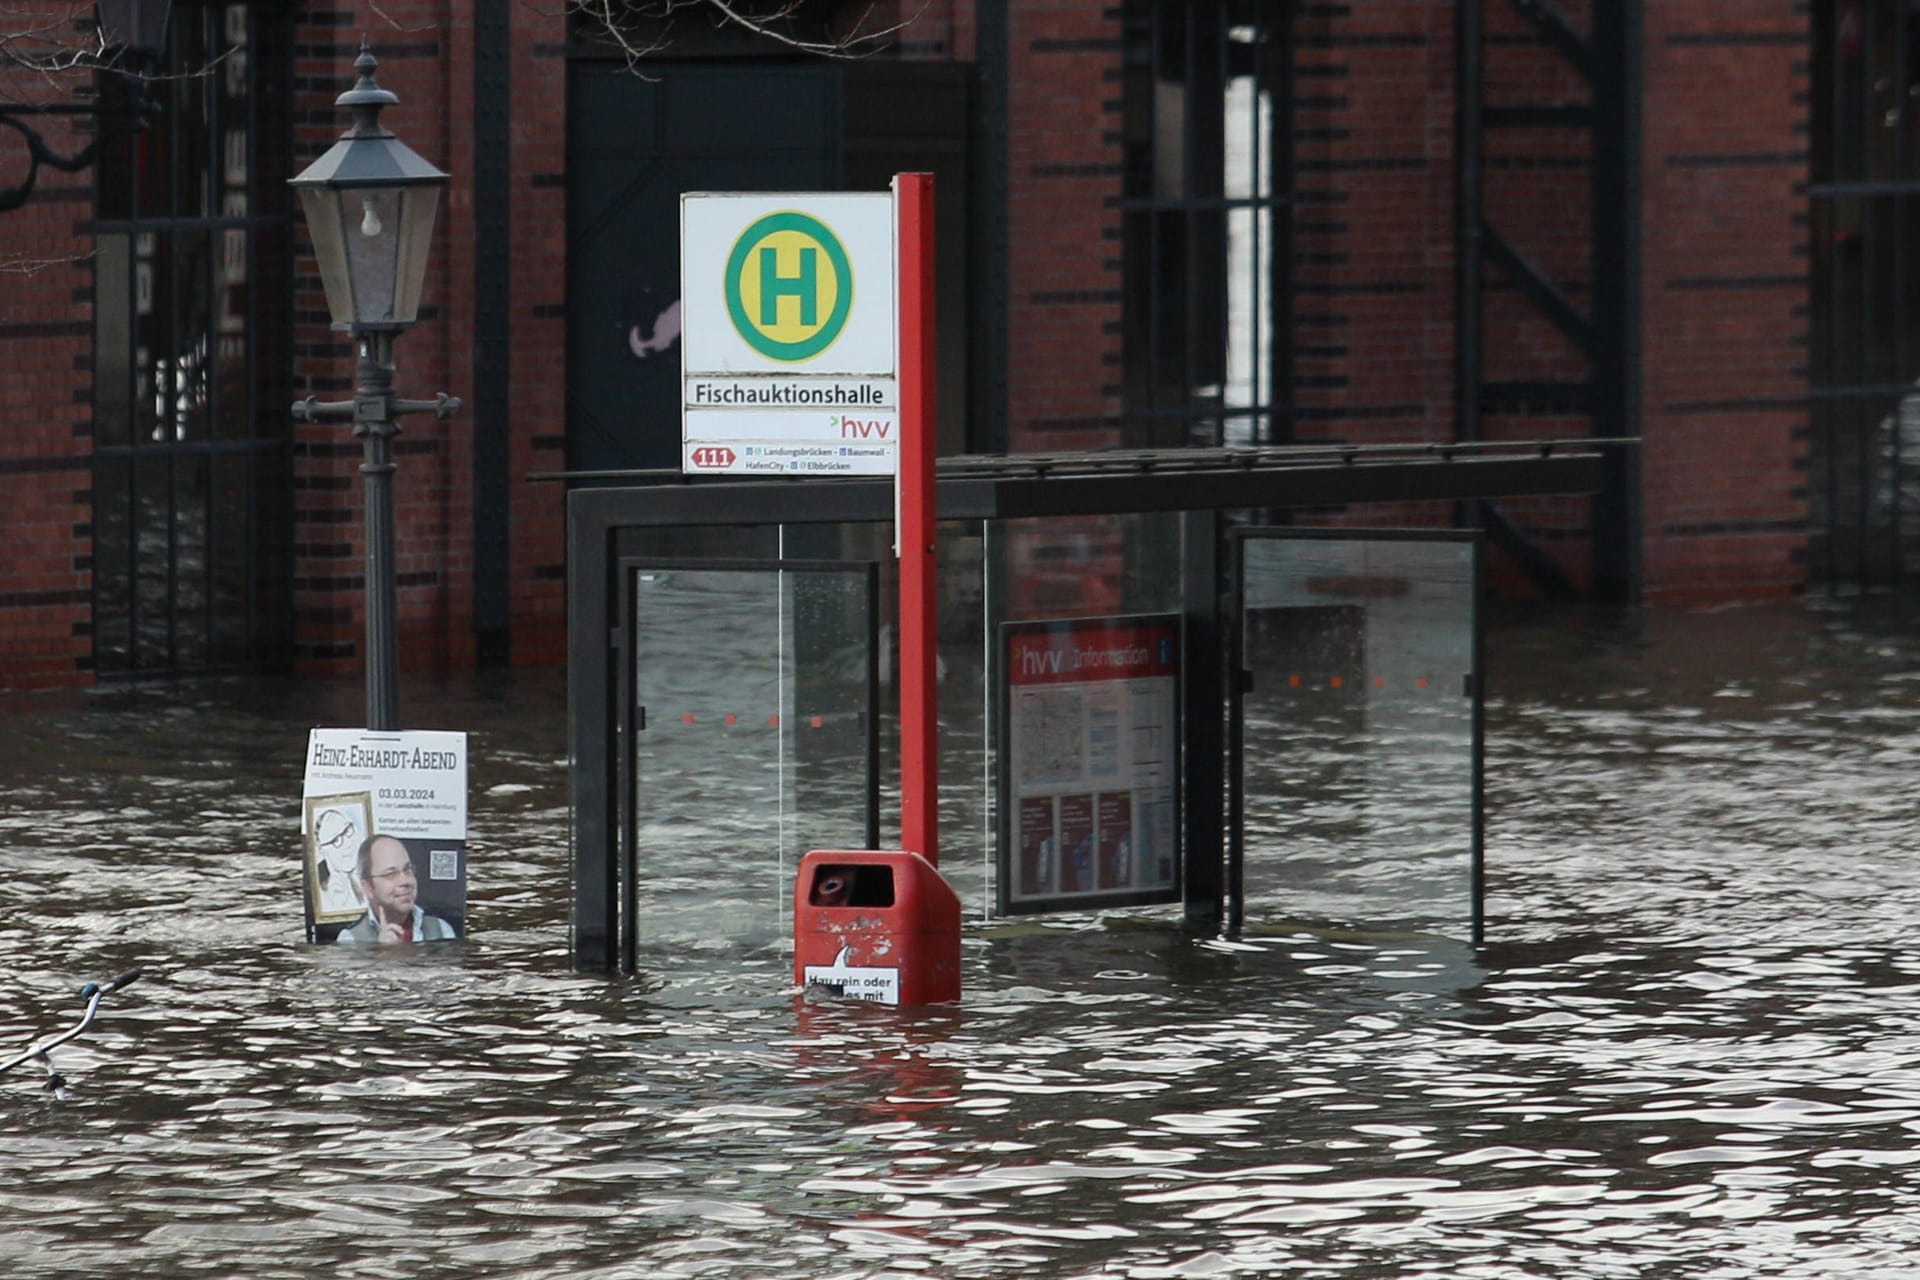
384,821
789,331
855,982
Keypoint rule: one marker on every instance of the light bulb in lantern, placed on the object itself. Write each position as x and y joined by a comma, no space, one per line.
370,224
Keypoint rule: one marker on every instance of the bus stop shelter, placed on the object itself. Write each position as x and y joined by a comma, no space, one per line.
1178,678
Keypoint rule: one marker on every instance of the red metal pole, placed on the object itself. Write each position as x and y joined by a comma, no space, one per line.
919,744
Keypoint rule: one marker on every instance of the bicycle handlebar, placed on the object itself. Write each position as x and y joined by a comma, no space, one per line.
111,984
91,993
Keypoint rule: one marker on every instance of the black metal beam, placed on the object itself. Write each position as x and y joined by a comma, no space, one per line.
1023,491
1535,563
1468,318
1554,28
1202,750
1539,290
1616,296
991,218
1317,486
1542,398
492,393
1477,871
593,743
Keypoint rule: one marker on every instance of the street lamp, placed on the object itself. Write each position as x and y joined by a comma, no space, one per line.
133,36
370,203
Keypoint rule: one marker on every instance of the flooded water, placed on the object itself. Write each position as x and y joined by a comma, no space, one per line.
1690,1048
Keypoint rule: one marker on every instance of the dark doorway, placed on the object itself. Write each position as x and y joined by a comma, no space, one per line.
637,142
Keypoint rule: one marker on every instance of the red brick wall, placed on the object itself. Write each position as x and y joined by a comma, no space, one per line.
538,327
1723,273
1063,268
1725,290
46,348
1373,231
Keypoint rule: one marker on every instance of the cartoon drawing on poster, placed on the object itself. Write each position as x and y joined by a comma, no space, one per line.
384,821
335,828
1092,758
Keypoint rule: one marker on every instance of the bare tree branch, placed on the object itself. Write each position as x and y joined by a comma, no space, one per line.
53,45
602,13
63,49
853,43
26,264
614,20
395,23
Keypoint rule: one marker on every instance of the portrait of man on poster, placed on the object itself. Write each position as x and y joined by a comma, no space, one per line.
391,885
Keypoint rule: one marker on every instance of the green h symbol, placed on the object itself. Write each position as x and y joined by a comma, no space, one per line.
774,286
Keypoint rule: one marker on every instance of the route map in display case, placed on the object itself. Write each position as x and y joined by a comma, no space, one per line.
1089,763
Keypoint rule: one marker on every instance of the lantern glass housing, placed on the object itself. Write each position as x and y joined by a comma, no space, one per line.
370,204
372,243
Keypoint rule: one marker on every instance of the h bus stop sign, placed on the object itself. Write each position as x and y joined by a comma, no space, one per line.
789,335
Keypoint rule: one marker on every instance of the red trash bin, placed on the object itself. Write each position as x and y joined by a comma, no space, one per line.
878,925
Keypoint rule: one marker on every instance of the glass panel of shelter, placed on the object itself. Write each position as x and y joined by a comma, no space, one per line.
715,815
749,742
1357,718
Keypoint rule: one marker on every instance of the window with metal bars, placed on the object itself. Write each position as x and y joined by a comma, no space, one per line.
1864,472
192,548
1206,203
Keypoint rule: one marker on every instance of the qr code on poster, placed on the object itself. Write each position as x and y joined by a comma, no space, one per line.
443,864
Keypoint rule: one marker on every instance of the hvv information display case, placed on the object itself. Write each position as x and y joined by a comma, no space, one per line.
1090,761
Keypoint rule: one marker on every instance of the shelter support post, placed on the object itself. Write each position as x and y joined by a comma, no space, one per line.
1202,687
593,649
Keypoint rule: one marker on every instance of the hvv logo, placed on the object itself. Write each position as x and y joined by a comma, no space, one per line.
852,428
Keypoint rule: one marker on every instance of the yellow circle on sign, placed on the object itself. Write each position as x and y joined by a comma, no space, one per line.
790,286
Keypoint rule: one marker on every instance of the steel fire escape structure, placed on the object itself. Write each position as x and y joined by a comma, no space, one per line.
1604,59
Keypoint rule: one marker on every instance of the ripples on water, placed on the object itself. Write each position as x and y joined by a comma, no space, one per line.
1690,1050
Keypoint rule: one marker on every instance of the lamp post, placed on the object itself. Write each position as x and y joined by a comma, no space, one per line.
133,35
370,203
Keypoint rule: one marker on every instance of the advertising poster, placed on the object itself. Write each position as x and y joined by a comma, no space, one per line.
383,825
1090,770
1116,839
1076,843
1036,846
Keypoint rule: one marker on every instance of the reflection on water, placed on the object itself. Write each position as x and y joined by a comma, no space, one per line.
1689,1051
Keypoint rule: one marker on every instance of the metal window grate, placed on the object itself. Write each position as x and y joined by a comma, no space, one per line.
192,352
1206,206
1864,486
